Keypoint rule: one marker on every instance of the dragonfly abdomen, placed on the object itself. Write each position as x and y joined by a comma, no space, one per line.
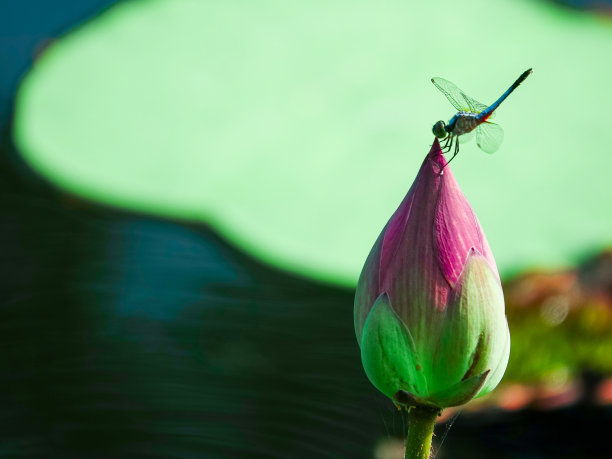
515,85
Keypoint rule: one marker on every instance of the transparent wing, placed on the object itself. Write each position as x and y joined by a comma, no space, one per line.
463,138
460,100
489,136
475,106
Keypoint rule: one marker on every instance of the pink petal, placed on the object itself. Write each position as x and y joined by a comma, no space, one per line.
457,229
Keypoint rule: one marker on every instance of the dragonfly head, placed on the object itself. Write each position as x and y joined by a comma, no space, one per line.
439,129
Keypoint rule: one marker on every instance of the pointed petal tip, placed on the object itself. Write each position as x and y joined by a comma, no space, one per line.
473,253
436,155
475,256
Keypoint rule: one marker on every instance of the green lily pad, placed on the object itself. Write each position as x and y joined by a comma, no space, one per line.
295,128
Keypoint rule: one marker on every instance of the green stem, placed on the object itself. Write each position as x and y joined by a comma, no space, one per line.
421,422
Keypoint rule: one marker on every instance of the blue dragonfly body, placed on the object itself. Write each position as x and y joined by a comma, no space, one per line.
472,117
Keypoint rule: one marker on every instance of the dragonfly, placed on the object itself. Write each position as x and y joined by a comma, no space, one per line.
472,117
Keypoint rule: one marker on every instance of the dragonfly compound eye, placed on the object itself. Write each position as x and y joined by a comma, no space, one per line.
439,129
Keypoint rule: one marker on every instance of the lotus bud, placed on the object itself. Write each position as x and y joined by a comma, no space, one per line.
429,308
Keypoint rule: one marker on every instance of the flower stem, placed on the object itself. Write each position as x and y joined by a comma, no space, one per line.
421,422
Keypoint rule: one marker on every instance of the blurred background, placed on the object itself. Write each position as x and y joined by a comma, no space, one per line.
189,190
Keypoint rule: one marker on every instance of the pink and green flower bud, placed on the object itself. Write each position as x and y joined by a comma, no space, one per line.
429,307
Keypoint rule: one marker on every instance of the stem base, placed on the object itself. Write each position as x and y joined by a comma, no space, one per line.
421,422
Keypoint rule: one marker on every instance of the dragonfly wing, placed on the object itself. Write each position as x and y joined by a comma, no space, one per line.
454,95
460,100
475,106
489,136
463,138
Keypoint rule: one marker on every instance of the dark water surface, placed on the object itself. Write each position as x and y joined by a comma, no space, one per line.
129,336
140,337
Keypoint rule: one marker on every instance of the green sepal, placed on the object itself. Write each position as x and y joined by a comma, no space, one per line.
498,371
474,337
459,393
388,352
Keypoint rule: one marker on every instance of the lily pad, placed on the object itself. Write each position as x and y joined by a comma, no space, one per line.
295,128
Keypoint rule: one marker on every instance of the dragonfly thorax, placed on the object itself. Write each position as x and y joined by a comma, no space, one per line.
463,122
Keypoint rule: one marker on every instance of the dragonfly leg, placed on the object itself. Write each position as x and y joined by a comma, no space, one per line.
455,152
447,145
